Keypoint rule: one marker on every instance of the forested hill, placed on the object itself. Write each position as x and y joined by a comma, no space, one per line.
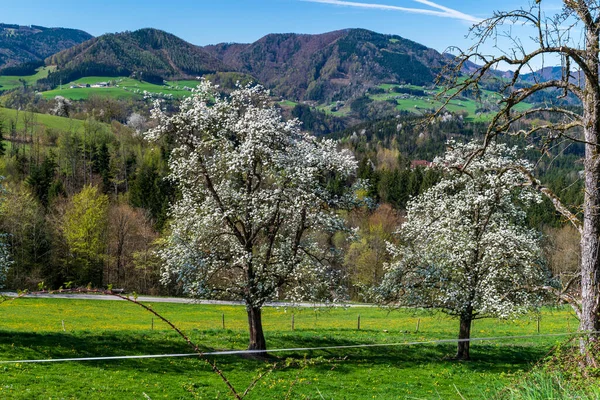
331,66
22,44
327,67
151,54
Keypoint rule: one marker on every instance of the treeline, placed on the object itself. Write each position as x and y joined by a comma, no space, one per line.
64,76
408,135
396,186
83,205
147,54
88,203
316,121
387,150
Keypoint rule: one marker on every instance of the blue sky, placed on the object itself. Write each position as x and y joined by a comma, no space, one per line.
434,23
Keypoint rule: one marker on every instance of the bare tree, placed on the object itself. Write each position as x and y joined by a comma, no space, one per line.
571,36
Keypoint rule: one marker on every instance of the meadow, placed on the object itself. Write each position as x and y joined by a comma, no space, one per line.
423,105
33,329
123,88
12,82
41,120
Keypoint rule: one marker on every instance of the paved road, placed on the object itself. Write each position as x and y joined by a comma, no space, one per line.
181,300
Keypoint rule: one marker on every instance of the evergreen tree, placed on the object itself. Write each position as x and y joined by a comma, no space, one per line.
2,144
41,178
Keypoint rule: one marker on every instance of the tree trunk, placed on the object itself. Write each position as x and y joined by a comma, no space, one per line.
257,336
464,333
590,260
590,257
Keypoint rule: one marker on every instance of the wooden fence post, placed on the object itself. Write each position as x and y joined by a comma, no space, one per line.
293,321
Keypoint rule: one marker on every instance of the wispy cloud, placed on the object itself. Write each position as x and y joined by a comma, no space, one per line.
438,10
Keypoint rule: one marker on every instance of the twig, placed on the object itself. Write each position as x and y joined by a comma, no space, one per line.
149,309
258,378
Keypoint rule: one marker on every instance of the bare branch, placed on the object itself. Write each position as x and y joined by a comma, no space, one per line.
560,207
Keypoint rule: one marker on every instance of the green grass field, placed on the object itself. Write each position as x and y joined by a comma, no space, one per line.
287,103
32,329
425,104
340,112
124,88
11,82
46,120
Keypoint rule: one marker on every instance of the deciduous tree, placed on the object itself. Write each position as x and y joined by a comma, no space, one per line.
84,228
5,258
465,249
570,36
253,191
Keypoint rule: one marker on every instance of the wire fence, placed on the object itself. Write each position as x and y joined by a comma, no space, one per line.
299,349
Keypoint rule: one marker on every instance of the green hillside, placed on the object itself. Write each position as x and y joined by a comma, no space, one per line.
12,82
150,54
43,120
120,87
420,100
22,44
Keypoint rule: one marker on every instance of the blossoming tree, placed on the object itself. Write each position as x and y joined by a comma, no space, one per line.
568,30
465,249
5,257
253,197
5,261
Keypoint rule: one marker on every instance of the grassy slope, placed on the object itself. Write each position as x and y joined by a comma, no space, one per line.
127,88
287,103
11,82
49,121
424,104
31,328
131,88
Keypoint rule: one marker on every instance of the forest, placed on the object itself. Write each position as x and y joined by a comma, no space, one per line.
87,199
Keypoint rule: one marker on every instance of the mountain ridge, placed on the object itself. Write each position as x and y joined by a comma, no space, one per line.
20,44
322,66
151,53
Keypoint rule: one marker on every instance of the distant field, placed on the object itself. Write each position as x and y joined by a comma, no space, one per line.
183,83
123,88
50,121
85,93
32,329
340,112
11,82
423,104
288,103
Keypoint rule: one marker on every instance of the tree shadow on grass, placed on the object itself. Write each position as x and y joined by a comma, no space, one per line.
495,357
58,345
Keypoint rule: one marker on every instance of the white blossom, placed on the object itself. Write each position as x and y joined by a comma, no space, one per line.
253,199
465,248
62,106
137,122
5,258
